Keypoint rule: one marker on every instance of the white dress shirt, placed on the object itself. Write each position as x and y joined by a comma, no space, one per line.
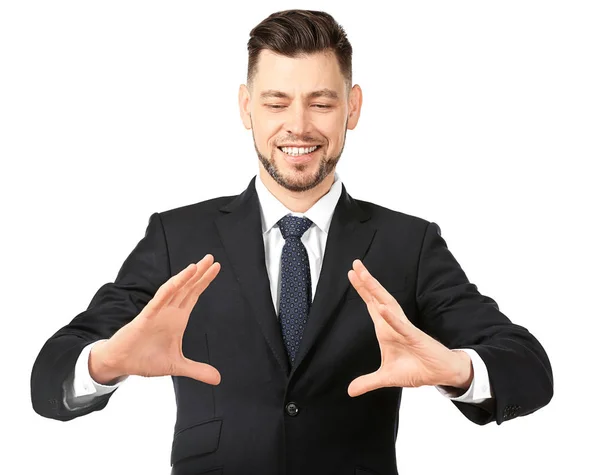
80,389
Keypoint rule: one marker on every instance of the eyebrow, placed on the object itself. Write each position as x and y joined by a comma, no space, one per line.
328,93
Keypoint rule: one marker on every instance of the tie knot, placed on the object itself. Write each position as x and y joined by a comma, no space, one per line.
293,226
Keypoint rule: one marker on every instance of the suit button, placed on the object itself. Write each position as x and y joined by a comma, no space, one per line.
291,408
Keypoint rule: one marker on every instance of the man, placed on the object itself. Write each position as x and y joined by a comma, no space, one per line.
219,295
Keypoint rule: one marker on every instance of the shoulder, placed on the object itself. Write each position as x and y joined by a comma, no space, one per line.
384,216
194,213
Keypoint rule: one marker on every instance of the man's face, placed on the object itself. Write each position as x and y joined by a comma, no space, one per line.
299,102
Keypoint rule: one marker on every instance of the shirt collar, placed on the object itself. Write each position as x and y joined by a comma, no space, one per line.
272,210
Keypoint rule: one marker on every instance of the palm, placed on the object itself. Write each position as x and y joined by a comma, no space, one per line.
409,357
154,343
403,358
151,344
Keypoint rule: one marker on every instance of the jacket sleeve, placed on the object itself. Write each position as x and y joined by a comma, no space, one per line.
452,311
114,305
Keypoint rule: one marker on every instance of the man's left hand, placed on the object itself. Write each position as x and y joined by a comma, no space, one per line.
409,356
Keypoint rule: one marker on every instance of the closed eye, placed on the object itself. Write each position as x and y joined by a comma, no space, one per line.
319,106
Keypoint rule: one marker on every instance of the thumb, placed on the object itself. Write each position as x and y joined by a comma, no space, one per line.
365,383
199,371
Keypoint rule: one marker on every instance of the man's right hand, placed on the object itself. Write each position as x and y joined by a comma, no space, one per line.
151,344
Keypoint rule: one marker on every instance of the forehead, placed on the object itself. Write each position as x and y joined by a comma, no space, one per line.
317,74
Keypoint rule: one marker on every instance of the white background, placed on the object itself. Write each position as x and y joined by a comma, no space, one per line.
481,116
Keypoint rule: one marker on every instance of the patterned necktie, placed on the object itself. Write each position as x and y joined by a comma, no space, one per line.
295,295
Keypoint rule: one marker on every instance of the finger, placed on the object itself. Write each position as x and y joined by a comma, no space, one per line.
364,293
359,286
382,310
399,323
201,266
166,291
201,269
371,283
192,297
198,371
365,383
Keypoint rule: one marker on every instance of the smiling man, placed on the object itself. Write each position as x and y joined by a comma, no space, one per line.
291,316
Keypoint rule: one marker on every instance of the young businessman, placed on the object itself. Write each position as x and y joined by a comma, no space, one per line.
291,316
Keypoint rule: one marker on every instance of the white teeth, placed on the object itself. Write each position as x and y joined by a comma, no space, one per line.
295,151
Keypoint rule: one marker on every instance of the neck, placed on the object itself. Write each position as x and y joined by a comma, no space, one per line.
296,201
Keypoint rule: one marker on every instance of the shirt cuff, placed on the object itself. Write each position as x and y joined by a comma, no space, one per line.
83,383
480,388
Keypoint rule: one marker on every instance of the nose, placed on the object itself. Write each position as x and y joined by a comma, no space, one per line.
298,120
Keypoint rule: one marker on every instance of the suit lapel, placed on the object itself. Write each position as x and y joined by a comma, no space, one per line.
240,230
349,237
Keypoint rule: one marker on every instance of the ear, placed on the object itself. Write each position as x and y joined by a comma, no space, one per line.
354,105
244,103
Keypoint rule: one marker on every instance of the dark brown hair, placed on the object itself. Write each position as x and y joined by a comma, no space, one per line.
292,33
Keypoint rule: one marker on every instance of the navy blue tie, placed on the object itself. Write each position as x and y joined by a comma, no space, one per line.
295,296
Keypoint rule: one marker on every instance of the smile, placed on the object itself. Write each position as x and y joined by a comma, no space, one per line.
298,151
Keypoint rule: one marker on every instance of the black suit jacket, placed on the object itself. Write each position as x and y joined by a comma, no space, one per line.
266,417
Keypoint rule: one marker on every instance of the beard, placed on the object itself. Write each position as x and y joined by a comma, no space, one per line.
301,181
